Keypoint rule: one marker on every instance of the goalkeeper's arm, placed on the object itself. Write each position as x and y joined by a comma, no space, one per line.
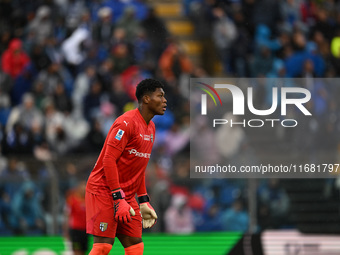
122,210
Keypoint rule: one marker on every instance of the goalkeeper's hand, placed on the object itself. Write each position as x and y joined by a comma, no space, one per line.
122,210
149,215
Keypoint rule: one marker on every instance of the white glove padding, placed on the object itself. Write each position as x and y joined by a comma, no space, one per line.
148,214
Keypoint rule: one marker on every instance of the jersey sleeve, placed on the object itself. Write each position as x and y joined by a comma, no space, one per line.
120,134
142,188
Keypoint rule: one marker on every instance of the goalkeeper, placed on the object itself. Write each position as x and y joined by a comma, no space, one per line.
119,173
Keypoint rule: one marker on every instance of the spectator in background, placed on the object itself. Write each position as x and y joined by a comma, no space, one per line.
19,19
92,101
73,49
308,10
106,74
156,32
76,129
5,80
176,139
75,219
13,175
72,11
119,37
106,116
290,11
200,13
241,48
5,37
266,12
22,84
39,57
236,218
129,23
263,38
5,211
104,27
142,49
51,77
224,34
38,94
54,128
24,114
179,217
41,27
52,46
209,152
173,62
5,105
81,88
121,57
117,95
28,216
95,138
180,176
323,23
302,52
85,20
61,100
130,77
6,10
37,133
273,204
117,8
18,140
234,137
262,64
211,219
14,59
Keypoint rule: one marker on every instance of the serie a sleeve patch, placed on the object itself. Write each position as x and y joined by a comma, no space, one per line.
119,134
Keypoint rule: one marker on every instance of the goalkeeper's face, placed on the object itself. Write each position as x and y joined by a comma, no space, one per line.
157,102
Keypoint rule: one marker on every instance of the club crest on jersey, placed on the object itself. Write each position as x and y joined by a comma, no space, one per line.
103,226
119,134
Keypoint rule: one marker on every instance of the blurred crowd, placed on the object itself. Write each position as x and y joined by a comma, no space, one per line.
69,68
263,38
278,40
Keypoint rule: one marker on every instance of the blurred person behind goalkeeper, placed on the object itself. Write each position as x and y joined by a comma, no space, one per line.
75,219
119,173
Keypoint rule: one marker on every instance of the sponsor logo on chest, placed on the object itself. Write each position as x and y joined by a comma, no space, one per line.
147,137
139,154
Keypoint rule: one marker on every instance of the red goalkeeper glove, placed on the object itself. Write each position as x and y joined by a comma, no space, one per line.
149,215
122,210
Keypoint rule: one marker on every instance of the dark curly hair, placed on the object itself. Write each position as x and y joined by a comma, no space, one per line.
147,86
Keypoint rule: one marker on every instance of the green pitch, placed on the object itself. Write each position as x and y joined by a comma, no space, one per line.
198,243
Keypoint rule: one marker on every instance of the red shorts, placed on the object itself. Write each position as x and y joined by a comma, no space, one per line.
100,220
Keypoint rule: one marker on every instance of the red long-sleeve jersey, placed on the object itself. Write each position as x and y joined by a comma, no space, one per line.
124,157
